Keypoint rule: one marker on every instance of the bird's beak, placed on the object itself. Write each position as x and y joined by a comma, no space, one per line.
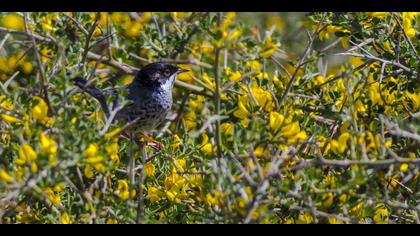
182,70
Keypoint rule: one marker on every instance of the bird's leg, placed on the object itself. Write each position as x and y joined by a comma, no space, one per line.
151,140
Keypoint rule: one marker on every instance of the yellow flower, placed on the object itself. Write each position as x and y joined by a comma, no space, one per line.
378,14
88,172
111,221
171,196
340,145
304,218
234,34
122,189
210,200
381,215
345,42
208,81
268,48
13,21
91,150
375,96
6,103
26,67
268,52
113,133
242,112
415,99
59,187
5,176
149,169
293,133
408,18
263,97
235,76
48,145
94,160
176,142
153,194
359,106
411,32
111,148
190,120
55,199
206,146
27,153
227,128
327,199
8,118
133,29
276,120
342,198
174,180
261,151
178,15
40,111
254,66
186,76
404,167
206,48
65,218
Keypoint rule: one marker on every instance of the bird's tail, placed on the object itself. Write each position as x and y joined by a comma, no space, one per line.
92,91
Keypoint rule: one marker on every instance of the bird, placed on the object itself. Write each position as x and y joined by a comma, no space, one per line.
149,97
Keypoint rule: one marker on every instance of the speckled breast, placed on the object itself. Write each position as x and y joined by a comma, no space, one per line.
150,109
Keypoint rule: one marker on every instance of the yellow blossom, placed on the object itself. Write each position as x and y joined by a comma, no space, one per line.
379,14
122,189
91,150
235,76
27,153
111,148
113,133
186,76
47,144
55,199
65,218
327,199
111,221
304,218
9,119
227,128
40,111
276,120
5,176
381,215
88,172
132,29
242,112
340,145
263,97
149,169
293,133
13,21
404,167
261,151
177,141
153,194
206,146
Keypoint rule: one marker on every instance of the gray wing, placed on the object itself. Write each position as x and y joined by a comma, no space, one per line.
99,94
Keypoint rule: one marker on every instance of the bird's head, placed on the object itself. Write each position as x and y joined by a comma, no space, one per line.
158,74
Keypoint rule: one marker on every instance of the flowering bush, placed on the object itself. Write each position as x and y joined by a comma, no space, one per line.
283,118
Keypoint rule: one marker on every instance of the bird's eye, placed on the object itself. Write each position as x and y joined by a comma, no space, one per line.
167,72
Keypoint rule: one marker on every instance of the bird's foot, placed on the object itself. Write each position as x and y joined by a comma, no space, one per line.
158,146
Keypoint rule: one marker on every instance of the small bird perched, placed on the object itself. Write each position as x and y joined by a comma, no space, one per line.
149,96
